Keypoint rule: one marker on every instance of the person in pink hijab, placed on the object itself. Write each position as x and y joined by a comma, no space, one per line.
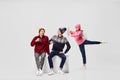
81,41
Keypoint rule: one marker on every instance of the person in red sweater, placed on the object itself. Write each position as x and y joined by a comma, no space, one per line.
41,47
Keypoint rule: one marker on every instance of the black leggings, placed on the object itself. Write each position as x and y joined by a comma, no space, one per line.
82,48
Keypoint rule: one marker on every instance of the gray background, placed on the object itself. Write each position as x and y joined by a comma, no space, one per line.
20,21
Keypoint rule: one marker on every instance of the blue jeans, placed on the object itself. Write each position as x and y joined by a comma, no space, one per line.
82,48
61,55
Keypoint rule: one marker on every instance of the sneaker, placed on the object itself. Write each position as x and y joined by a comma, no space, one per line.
83,67
51,72
60,71
39,72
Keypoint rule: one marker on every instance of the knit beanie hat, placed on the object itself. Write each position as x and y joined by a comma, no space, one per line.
62,30
78,26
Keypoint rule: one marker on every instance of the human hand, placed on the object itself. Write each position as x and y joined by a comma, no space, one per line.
37,40
61,52
51,42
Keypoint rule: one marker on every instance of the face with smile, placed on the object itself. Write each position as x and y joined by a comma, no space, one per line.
41,32
77,29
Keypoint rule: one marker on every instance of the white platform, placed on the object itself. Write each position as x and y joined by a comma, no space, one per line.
56,63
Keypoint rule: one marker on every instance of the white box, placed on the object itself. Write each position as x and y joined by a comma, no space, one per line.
56,63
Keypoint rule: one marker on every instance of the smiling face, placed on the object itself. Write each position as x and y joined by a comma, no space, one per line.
77,28
41,31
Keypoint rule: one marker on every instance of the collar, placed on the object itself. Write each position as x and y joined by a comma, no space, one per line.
41,37
61,36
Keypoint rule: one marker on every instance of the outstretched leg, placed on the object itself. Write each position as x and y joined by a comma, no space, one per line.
92,42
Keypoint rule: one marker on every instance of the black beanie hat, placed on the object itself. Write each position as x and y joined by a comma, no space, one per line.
62,30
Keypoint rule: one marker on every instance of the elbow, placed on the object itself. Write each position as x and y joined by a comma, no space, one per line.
69,47
32,45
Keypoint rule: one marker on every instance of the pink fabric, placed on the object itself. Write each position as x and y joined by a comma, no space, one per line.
78,26
78,36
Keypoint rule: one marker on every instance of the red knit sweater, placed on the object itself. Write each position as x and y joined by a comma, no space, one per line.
40,46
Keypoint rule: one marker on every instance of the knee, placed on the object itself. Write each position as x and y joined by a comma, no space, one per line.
64,57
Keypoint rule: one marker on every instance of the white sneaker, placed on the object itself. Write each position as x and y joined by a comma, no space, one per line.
60,71
84,68
39,72
51,72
